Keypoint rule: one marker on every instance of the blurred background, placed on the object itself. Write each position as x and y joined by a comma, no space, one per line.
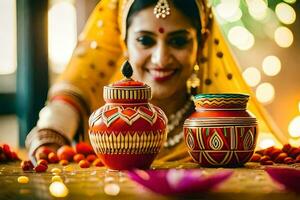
37,39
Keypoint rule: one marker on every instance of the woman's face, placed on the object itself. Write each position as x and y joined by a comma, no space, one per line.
162,51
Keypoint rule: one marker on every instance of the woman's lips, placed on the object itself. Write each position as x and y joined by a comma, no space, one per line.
161,75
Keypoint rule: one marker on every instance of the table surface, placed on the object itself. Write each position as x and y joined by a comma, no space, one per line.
248,182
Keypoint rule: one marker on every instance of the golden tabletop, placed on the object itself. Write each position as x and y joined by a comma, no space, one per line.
248,182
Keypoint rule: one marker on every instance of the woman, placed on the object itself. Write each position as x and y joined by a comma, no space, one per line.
163,40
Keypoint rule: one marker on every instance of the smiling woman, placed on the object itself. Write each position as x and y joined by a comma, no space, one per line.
164,41
164,61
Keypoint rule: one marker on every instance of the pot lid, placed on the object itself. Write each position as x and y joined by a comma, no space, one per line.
127,90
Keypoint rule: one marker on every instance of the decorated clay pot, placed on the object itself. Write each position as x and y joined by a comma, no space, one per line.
128,131
221,132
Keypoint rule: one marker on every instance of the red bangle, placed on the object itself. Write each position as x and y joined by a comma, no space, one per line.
68,100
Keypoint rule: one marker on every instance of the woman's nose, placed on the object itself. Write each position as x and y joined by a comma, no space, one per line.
161,55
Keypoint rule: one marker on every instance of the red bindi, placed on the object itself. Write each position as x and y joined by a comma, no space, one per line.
161,30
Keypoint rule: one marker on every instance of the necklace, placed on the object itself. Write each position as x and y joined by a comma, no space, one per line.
173,122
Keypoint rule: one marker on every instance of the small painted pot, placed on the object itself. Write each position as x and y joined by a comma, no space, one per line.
221,132
127,132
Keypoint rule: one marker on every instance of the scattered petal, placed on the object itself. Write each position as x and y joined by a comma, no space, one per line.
180,181
289,177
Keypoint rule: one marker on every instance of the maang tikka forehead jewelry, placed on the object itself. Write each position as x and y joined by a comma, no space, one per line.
162,9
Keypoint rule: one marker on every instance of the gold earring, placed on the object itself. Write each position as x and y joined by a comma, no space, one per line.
193,83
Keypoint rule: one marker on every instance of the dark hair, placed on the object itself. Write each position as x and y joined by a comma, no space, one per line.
188,8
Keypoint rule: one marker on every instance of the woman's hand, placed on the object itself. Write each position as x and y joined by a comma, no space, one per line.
42,142
43,151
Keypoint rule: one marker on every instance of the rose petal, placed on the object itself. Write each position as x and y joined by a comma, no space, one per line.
289,177
152,182
187,181
192,184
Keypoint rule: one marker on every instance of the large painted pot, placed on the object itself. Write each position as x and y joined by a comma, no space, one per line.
128,131
221,132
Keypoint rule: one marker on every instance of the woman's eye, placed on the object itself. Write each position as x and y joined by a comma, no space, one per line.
178,42
146,41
